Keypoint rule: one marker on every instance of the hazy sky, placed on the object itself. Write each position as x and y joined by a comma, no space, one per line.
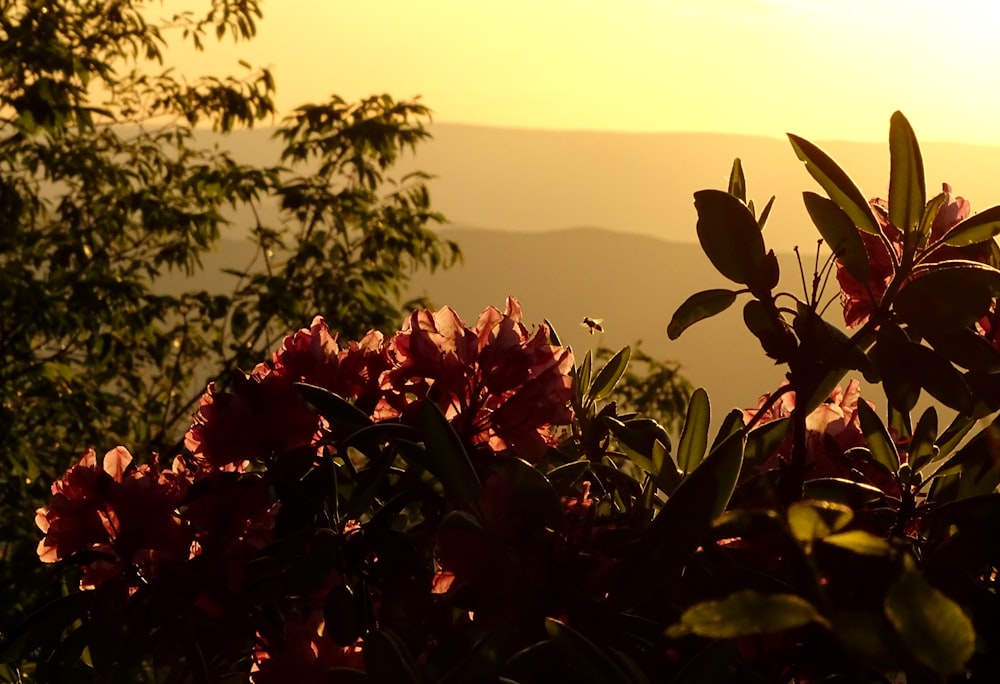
826,69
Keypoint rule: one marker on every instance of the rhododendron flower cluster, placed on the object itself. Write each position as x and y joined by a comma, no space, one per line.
115,519
500,384
859,299
832,429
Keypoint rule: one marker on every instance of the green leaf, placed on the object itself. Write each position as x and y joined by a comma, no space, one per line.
879,442
907,192
744,613
682,523
532,497
731,425
583,657
763,440
697,307
948,295
927,219
729,236
922,449
810,520
953,435
860,542
446,458
45,625
837,183
581,379
840,234
608,377
340,412
765,213
776,339
694,437
738,182
931,625
967,349
977,228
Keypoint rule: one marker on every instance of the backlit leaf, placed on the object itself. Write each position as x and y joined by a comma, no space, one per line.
608,377
860,542
879,442
729,236
840,234
907,193
837,183
744,613
932,626
682,523
977,228
948,295
697,307
737,181
694,437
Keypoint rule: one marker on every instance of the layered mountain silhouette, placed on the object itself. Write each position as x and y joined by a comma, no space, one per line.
511,196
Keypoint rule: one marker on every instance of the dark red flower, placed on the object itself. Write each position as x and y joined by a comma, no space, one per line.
832,428
859,299
117,519
263,416
500,384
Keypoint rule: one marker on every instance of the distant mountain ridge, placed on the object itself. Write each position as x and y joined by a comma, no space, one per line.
535,180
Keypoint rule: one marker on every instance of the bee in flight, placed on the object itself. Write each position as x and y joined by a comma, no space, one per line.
593,324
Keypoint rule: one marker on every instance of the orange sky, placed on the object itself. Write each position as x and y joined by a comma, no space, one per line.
826,69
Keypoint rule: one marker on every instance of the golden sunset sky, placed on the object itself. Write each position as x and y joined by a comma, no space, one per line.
827,69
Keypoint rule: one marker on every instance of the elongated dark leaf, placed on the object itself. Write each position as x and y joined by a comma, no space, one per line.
581,378
776,339
907,192
729,236
583,657
340,412
927,219
694,437
837,183
967,349
977,228
45,624
681,524
608,377
697,307
879,442
860,542
840,233
762,221
931,625
738,182
953,435
731,425
941,380
948,295
745,613
447,458
762,441
922,449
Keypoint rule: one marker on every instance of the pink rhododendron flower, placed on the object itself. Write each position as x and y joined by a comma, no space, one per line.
859,299
263,416
302,654
500,384
116,519
832,428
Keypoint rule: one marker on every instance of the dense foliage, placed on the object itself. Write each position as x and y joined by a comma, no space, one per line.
108,191
463,503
